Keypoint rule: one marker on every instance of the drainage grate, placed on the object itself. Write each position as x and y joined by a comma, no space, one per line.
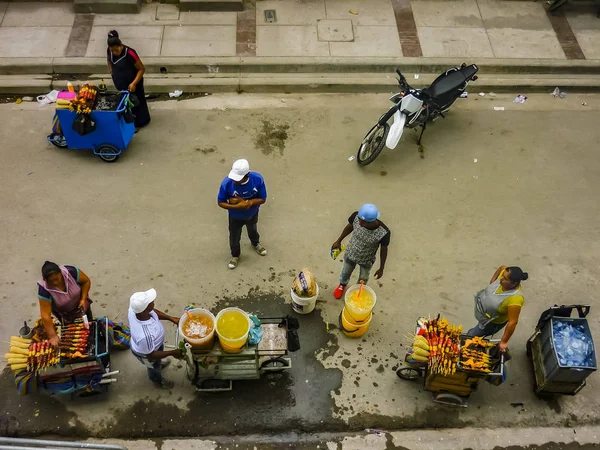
270,16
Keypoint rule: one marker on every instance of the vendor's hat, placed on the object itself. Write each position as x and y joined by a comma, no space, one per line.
239,170
368,212
139,301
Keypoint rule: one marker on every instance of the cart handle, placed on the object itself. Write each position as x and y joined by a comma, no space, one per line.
123,103
101,355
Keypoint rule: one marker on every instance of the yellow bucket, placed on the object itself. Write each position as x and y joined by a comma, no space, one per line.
350,327
232,327
360,308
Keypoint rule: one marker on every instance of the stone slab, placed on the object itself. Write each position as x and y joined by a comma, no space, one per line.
453,42
148,13
589,42
108,6
33,42
457,14
521,15
199,40
211,5
512,43
369,41
371,12
167,11
289,41
145,40
335,30
583,20
38,14
307,12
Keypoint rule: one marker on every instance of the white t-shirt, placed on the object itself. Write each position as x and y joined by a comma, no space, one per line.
146,335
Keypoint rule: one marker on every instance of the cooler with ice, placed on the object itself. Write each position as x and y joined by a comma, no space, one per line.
562,350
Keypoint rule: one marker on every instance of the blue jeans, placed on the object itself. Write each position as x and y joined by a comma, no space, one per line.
489,330
349,266
154,367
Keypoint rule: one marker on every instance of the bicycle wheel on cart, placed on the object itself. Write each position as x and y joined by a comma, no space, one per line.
410,373
108,153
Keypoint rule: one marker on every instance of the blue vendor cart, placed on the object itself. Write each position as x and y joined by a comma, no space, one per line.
113,129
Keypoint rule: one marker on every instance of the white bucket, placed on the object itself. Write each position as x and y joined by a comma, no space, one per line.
304,305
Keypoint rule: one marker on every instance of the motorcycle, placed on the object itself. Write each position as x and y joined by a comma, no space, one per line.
415,108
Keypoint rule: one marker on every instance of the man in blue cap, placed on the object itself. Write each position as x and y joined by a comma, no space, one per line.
368,234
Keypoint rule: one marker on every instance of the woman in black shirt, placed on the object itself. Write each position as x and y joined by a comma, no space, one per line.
127,71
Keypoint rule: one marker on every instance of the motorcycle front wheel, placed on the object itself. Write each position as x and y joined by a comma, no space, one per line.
372,145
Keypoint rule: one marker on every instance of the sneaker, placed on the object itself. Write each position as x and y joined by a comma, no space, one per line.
339,291
233,263
165,363
165,384
260,250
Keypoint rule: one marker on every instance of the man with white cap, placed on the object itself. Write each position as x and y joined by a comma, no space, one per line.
148,336
241,193
368,234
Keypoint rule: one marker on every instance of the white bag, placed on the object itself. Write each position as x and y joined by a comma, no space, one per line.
49,98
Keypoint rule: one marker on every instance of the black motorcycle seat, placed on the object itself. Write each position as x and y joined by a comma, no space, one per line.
448,82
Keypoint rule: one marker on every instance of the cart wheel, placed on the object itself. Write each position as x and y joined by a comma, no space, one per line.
409,373
449,399
278,362
108,153
57,140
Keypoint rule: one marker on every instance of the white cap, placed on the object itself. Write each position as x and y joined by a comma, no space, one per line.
139,301
239,170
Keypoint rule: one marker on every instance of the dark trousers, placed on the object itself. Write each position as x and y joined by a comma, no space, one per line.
235,233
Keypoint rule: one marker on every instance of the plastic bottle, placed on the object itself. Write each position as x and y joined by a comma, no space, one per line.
70,86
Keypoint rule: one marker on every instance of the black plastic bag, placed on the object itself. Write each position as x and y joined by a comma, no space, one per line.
128,116
293,340
292,334
83,124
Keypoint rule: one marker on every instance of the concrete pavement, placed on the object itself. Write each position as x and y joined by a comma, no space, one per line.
333,28
150,220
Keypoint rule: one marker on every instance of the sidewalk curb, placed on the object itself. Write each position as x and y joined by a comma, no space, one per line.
288,74
233,64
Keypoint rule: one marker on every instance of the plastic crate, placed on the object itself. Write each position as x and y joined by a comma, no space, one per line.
542,384
554,370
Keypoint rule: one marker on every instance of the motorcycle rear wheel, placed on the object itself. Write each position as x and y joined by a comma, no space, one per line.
372,144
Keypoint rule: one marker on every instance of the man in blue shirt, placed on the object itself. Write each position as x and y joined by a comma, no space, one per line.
241,193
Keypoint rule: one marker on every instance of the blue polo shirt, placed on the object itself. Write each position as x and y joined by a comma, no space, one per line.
253,188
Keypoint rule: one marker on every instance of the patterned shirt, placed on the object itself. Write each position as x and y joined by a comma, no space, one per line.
364,243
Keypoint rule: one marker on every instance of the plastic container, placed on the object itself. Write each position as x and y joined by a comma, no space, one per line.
357,313
66,95
350,327
304,305
555,371
205,343
233,344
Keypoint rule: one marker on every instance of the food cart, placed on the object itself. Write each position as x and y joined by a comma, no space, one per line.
213,369
451,363
79,366
100,121
561,351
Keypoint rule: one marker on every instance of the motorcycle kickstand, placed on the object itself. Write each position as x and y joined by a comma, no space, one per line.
421,135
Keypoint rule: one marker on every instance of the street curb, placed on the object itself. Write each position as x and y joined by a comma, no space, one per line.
233,64
299,75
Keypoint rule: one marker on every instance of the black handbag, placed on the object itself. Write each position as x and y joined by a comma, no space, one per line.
83,124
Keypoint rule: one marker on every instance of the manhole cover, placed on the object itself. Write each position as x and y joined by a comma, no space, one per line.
270,16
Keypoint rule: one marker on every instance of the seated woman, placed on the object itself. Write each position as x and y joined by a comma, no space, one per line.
63,292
